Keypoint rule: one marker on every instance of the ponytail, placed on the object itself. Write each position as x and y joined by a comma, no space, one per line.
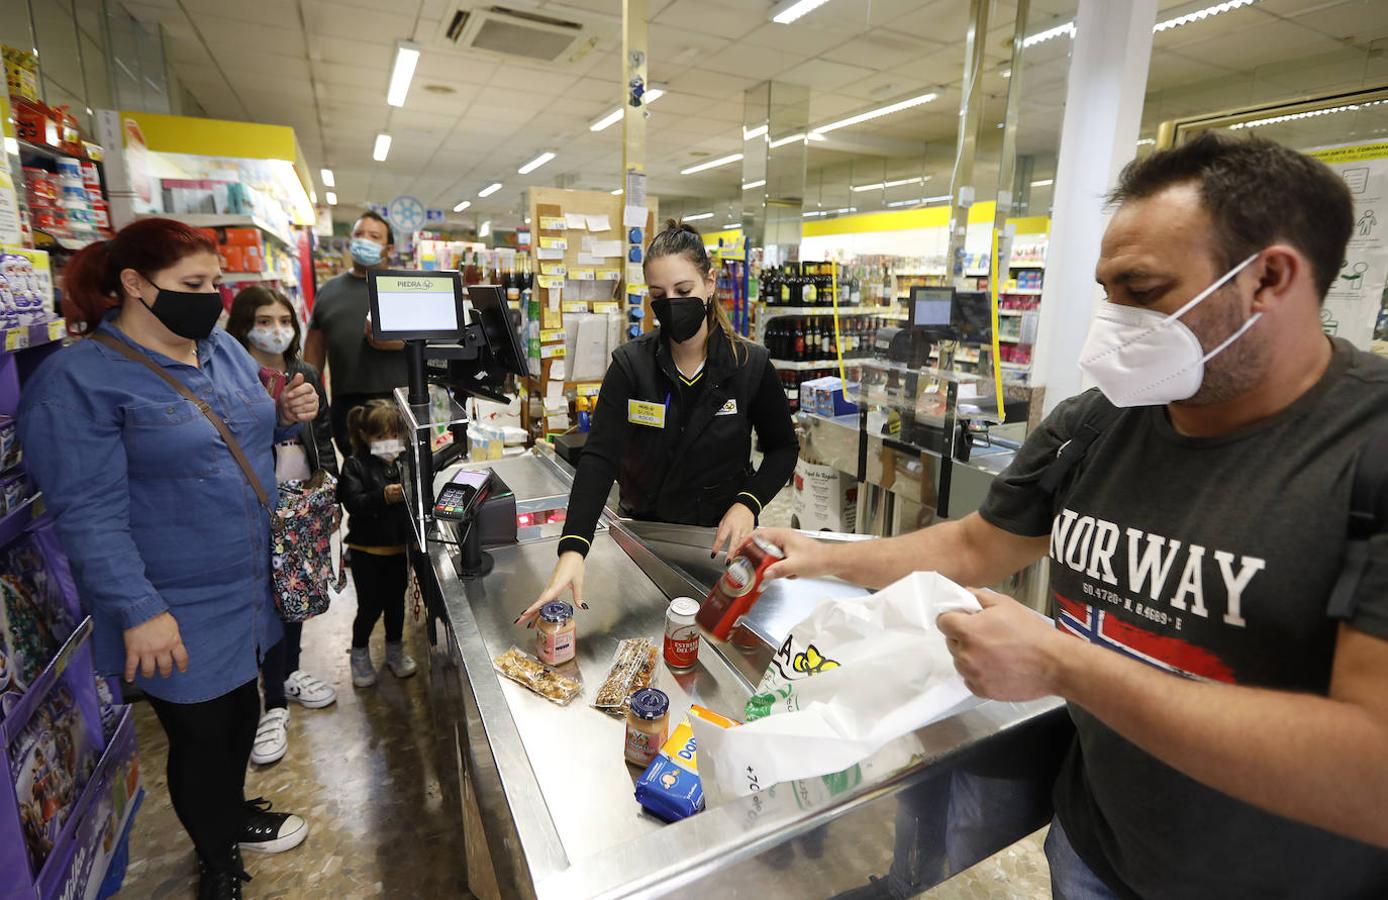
91,280
683,239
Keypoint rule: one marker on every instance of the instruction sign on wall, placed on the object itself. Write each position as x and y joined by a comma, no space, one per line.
1352,304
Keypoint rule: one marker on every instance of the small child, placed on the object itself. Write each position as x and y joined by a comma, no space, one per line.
378,534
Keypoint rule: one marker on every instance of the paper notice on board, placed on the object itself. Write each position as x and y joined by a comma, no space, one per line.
609,274
553,268
582,275
634,216
547,253
554,243
586,245
1355,296
575,306
575,221
599,223
635,194
558,370
635,274
10,231
551,223
607,249
605,307
589,259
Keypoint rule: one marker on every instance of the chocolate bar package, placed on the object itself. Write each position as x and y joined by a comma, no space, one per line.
50,762
37,602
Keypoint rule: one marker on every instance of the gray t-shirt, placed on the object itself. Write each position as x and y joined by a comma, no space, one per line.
354,366
1211,558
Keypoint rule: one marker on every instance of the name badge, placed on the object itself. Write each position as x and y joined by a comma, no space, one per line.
643,412
729,409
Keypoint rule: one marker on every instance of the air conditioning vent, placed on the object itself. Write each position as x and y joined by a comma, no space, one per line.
506,32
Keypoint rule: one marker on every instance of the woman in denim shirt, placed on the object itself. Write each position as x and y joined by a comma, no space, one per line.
167,539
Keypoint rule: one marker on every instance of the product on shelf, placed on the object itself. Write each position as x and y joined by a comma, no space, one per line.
22,74
50,761
37,609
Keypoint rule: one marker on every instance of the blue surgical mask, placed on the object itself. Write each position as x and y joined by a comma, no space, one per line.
366,252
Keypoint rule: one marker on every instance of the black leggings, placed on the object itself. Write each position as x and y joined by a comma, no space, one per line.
209,747
281,661
380,582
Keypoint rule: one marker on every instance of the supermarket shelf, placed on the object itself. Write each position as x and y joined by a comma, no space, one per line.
249,277
1023,292
939,273
1015,367
810,364
776,312
26,336
53,152
1027,265
1013,312
12,525
1009,340
216,220
47,240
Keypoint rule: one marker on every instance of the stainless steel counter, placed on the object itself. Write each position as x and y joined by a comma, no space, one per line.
552,797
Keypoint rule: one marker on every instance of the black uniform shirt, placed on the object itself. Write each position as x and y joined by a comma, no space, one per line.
681,447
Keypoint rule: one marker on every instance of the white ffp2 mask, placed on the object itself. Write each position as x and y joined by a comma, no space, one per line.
1139,357
387,451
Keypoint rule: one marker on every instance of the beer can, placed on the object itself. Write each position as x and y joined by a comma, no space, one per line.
681,633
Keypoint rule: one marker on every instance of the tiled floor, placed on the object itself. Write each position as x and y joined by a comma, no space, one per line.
364,774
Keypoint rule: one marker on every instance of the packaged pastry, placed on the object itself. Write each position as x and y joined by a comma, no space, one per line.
633,667
670,788
529,672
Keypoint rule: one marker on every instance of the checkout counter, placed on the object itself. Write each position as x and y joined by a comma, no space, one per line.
546,800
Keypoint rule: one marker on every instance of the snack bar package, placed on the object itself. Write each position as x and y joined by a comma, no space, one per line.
670,789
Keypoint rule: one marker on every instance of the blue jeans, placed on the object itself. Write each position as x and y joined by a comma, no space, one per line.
1071,879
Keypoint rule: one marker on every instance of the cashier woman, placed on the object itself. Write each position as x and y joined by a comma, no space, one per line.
674,420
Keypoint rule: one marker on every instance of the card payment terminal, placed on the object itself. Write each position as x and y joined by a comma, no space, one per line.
463,496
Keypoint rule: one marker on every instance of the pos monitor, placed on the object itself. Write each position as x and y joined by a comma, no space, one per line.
415,306
931,307
503,337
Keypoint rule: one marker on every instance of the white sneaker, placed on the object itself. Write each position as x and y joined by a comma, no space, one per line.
402,665
271,738
308,691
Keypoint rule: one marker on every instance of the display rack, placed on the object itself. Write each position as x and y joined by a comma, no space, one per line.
571,281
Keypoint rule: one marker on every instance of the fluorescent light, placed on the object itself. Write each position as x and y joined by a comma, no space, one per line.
615,116
815,136
890,184
788,139
382,148
1308,114
696,217
616,193
489,189
712,164
535,163
941,198
790,10
1197,15
733,226
754,133
830,212
527,220
12,145
611,118
1067,29
486,229
331,197
328,179
1044,182
1144,142
462,206
876,113
406,58
747,186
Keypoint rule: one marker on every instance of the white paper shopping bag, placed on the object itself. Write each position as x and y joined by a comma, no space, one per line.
856,673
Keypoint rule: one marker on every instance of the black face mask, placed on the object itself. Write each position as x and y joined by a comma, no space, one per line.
188,314
680,317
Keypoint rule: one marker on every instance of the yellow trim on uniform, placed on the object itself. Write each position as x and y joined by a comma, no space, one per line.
753,499
690,382
575,537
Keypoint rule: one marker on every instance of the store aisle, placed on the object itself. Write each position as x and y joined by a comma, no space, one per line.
361,771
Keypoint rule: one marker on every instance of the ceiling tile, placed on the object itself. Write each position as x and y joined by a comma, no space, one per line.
724,21
883,49
229,37
712,84
366,25
757,63
824,75
802,38
453,67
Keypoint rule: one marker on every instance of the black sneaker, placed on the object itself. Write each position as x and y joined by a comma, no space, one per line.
271,832
221,882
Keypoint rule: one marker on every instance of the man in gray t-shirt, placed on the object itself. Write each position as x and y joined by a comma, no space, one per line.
1231,729
359,368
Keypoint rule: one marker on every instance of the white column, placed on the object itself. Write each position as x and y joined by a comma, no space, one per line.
1103,110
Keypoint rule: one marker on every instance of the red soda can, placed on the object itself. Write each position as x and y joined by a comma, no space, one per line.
739,587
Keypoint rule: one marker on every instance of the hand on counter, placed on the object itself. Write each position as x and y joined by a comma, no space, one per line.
734,529
1006,651
568,573
805,557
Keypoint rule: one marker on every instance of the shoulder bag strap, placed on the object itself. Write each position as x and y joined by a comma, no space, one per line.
237,453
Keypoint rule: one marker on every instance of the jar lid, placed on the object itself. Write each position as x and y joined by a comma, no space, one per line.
684,606
650,703
556,611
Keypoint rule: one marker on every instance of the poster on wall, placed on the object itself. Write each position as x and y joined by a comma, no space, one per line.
1355,297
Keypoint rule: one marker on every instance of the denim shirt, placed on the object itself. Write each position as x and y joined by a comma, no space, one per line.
152,509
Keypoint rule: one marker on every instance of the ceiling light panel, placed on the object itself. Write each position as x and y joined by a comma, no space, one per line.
402,73
712,164
535,163
489,189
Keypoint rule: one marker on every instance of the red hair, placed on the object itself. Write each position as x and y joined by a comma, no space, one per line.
91,281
